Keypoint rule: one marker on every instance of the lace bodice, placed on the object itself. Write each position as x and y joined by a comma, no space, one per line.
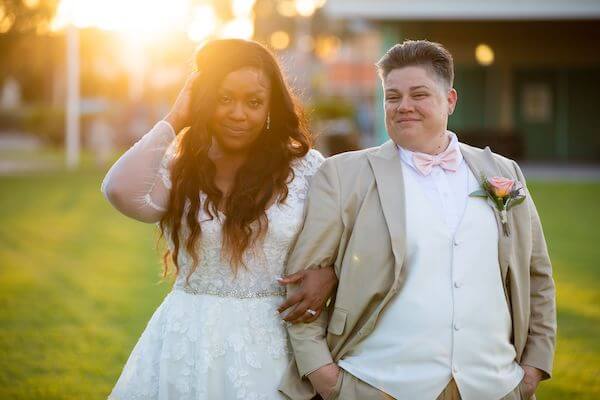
264,263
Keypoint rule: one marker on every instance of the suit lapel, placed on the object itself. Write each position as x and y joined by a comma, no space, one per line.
387,169
482,164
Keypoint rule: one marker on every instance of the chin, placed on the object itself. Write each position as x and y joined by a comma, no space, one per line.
407,134
407,139
233,145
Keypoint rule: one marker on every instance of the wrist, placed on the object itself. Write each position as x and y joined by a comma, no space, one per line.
324,379
173,122
325,370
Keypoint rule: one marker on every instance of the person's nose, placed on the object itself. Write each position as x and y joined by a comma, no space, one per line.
405,105
237,112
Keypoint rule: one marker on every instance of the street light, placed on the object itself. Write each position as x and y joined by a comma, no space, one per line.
72,141
67,15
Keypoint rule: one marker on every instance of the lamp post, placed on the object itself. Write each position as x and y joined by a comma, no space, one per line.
72,141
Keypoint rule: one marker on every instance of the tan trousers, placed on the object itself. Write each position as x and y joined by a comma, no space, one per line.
451,393
349,387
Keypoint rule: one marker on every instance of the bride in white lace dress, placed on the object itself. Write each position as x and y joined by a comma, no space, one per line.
247,158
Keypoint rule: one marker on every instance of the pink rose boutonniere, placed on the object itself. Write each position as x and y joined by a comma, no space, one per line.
503,193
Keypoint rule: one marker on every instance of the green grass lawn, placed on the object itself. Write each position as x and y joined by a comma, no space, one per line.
78,283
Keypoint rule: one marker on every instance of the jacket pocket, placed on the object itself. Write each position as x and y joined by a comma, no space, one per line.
337,321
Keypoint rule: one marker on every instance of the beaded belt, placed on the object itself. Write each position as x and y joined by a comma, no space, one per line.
236,293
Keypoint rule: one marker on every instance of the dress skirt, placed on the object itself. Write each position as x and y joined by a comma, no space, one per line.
208,347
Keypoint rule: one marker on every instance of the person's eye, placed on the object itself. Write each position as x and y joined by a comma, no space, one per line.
224,99
392,98
255,103
420,95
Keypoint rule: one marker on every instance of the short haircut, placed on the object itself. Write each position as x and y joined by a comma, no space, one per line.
418,53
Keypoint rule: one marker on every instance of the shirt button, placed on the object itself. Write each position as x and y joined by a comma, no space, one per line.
456,242
455,369
456,326
457,284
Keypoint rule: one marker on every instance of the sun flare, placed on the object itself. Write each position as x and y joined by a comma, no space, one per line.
147,20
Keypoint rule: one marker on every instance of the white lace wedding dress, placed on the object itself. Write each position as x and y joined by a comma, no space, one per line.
219,337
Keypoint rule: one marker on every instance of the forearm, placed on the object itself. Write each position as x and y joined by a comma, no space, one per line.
317,245
309,344
131,183
539,349
540,346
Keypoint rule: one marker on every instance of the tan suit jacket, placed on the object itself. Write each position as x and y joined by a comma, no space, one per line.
355,220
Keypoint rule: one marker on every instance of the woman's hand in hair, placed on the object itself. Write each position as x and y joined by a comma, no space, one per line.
180,115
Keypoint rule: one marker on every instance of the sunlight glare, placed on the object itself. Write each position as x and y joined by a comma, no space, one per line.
287,8
306,8
143,21
240,28
242,8
141,18
203,24
280,40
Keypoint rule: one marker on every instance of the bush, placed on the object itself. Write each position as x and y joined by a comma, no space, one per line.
10,120
332,108
45,122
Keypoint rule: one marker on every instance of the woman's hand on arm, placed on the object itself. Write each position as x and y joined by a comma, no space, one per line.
316,286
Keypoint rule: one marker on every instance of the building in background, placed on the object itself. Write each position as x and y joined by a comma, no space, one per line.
527,72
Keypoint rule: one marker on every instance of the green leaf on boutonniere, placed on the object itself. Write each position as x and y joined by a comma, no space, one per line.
479,193
516,201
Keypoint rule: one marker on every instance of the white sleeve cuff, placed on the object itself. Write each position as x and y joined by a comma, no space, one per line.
166,125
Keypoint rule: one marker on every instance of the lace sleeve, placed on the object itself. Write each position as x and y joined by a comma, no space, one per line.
164,170
138,183
304,169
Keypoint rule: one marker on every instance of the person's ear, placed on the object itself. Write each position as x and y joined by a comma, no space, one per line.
452,99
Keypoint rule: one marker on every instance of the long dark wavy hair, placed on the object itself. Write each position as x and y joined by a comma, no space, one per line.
263,176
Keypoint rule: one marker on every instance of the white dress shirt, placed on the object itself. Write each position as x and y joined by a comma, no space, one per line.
446,190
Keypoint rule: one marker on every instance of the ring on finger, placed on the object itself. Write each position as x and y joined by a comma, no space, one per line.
311,312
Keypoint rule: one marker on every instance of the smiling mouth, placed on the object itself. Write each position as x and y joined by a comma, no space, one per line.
235,131
407,120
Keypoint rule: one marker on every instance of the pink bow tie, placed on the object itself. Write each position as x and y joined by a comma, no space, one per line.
448,160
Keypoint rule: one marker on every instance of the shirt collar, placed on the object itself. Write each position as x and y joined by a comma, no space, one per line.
407,155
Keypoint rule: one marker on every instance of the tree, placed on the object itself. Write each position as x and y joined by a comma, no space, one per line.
26,16
28,52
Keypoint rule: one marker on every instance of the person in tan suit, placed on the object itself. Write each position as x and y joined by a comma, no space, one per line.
445,286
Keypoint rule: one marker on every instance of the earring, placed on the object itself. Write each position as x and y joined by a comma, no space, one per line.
268,121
